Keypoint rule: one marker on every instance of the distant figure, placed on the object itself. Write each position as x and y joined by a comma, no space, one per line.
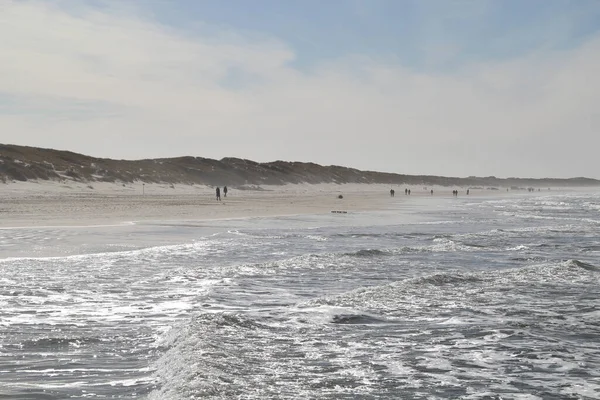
406,191
409,192
432,192
218,194
467,192
224,191
392,192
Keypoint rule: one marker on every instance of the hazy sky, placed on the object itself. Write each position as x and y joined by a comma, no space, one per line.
456,88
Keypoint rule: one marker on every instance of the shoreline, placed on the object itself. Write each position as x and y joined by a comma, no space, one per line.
34,204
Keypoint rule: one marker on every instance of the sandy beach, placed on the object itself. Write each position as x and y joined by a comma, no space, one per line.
41,204
55,204
45,203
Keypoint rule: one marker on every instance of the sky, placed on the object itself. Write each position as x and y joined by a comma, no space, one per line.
450,87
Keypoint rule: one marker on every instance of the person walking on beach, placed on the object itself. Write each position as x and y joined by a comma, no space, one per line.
224,191
432,192
218,194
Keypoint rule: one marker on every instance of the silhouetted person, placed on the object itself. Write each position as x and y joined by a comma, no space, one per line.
409,192
432,192
467,192
224,191
218,193
406,191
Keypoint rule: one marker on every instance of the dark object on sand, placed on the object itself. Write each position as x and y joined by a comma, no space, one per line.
340,197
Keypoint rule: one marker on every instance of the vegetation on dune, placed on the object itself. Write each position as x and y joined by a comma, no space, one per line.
21,163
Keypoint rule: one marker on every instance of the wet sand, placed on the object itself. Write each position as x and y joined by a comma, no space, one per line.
47,205
52,204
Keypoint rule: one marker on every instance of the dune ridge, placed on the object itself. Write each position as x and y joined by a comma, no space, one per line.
23,163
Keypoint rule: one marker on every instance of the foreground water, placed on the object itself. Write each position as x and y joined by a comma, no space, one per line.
473,298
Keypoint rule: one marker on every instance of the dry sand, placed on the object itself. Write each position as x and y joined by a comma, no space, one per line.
51,204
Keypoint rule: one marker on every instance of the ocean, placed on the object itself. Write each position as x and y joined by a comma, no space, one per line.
474,297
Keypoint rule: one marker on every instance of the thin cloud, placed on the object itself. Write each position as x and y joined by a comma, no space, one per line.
110,83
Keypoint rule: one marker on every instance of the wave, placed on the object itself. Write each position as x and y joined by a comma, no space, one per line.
550,218
529,259
381,235
355,319
368,253
256,235
443,279
215,355
146,251
221,354
592,206
441,244
592,248
413,297
48,343
584,265
289,354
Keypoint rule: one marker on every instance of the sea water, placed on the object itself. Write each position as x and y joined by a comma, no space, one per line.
469,297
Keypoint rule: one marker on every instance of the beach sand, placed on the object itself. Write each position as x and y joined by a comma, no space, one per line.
55,204
43,204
